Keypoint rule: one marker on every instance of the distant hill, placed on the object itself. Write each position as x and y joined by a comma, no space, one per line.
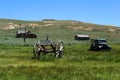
71,24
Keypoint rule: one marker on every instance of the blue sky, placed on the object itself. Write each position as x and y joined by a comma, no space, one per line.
93,11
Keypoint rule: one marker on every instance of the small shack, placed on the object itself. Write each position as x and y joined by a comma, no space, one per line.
25,34
81,37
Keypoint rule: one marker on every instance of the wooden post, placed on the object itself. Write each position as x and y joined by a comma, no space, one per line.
35,28
25,36
47,38
19,28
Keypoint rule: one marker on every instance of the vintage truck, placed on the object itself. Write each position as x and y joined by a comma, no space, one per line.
99,44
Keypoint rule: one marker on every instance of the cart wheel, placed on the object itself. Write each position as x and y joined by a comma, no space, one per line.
36,51
36,54
60,49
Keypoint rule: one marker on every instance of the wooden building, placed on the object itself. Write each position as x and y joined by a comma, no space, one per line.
81,37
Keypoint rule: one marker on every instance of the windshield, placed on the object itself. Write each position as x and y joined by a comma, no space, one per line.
101,41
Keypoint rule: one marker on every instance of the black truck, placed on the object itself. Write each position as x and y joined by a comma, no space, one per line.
99,44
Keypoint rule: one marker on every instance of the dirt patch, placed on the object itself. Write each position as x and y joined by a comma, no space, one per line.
77,28
112,30
82,28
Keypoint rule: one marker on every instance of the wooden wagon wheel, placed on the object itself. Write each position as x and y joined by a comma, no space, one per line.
36,50
35,54
60,49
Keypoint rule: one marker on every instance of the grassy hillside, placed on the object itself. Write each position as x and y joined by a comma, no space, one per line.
56,30
77,63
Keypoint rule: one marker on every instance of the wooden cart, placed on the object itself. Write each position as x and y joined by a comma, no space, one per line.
47,46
